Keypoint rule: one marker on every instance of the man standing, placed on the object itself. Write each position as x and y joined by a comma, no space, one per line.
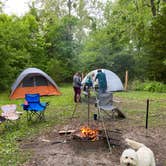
77,87
102,82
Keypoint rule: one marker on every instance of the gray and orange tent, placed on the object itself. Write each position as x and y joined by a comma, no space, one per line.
33,80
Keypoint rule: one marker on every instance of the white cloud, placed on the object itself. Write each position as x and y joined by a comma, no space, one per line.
18,7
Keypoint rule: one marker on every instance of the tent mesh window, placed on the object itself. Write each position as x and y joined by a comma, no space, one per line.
28,82
41,81
34,81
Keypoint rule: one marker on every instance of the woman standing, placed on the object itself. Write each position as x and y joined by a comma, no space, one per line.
77,87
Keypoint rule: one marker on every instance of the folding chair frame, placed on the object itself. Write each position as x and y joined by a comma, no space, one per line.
8,118
38,114
13,122
111,115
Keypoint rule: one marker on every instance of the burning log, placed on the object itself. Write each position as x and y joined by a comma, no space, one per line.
66,132
89,133
86,133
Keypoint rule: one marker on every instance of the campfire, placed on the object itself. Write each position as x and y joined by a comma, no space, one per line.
89,134
94,135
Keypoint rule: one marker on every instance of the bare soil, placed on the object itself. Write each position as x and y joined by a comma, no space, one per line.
50,148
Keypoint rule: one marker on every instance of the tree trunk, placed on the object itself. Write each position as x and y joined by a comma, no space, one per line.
69,6
153,8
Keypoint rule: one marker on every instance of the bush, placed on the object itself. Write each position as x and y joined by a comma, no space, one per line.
59,71
151,86
136,85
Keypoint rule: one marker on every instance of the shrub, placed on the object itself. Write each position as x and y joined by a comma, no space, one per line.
151,86
137,85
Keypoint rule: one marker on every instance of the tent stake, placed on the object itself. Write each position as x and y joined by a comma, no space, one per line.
147,112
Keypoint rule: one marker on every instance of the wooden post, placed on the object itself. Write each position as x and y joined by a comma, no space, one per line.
126,80
82,76
147,112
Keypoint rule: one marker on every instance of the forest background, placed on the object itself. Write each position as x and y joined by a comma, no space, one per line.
61,37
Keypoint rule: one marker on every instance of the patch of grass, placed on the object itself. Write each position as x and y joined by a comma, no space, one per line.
134,104
141,95
61,108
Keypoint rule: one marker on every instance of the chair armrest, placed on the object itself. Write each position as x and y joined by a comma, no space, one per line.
44,104
19,113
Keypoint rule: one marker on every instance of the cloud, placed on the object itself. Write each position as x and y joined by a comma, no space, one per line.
18,7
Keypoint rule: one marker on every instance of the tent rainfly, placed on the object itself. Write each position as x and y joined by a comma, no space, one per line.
113,81
33,80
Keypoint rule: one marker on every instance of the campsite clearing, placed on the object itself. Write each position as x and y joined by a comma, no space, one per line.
40,143
50,149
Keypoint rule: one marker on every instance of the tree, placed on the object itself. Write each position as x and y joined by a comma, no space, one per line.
21,46
62,46
12,57
110,46
156,47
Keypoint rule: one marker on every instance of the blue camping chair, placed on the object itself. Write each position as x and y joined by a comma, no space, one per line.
34,107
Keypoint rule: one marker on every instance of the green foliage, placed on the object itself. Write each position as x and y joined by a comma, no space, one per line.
62,48
151,86
62,38
110,47
136,85
129,43
22,46
154,87
58,70
156,47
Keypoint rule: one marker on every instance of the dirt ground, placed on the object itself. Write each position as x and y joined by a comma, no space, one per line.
50,148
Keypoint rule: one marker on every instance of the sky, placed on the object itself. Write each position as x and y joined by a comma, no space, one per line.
18,7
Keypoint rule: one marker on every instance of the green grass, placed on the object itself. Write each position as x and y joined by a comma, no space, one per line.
134,104
61,107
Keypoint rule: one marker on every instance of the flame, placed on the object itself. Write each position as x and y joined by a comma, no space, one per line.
89,133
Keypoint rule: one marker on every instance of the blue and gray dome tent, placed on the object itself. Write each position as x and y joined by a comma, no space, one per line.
113,81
